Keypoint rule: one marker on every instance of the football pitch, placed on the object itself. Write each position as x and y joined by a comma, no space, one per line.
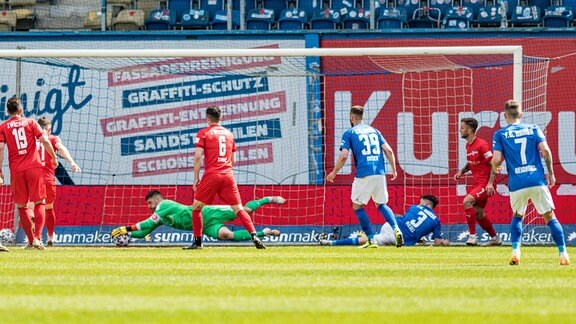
286,285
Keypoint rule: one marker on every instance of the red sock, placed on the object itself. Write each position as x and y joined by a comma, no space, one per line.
26,223
39,219
197,223
486,225
246,221
50,221
471,220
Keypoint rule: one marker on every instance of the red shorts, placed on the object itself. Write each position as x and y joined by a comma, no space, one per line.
481,195
50,190
221,184
27,186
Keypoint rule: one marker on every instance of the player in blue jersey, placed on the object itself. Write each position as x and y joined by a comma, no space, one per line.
522,146
419,221
367,146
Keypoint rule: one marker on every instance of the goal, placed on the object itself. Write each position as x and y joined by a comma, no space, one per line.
129,117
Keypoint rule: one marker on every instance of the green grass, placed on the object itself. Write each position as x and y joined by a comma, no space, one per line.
286,285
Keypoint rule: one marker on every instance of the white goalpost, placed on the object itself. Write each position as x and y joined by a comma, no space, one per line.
129,117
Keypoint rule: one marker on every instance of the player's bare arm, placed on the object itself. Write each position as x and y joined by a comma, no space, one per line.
547,156
497,161
459,174
63,152
490,184
339,164
198,153
48,147
392,159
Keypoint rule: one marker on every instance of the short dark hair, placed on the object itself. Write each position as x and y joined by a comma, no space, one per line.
214,113
153,193
13,105
431,199
512,108
357,111
44,122
470,122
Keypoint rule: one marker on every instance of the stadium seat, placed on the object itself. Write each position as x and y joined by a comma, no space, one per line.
212,6
356,18
425,18
25,11
488,17
7,21
325,19
526,16
558,17
195,19
409,5
443,7
179,8
161,19
458,18
129,19
474,6
542,4
260,19
220,21
293,19
392,18
93,20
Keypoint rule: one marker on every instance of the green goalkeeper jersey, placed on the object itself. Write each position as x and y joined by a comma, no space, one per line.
179,216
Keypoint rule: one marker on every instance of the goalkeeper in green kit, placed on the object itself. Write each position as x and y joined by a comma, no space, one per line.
179,216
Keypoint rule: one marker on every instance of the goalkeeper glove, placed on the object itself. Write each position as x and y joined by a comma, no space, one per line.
119,231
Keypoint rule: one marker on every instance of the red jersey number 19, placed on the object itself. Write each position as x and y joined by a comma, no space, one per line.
20,138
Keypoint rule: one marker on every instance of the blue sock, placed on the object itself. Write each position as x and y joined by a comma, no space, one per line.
557,234
364,222
346,241
388,215
515,232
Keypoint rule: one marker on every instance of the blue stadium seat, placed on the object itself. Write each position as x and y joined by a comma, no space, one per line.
409,5
491,15
442,5
260,19
212,6
474,6
179,7
293,19
195,19
458,18
325,19
392,18
220,21
558,17
542,4
526,16
161,19
356,18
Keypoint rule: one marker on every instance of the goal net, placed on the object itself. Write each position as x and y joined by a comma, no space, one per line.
129,118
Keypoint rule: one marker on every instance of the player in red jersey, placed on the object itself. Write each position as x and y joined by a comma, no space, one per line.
217,145
26,181
49,173
478,156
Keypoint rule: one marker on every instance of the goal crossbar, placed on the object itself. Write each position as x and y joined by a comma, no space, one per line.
514,50
228,52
